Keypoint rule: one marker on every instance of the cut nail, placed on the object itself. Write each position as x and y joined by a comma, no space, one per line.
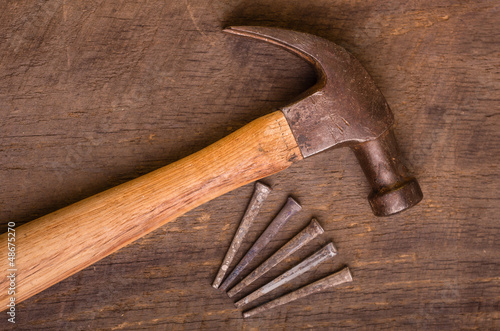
290,208
306,235
260,194
311,262
335,279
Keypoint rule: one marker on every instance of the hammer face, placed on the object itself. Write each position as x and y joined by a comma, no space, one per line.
393,189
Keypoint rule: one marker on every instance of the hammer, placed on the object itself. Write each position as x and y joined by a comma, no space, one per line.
344,108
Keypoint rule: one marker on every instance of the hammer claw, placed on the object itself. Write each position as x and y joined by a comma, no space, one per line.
344,108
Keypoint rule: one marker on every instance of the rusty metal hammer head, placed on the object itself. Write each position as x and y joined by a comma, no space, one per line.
344,108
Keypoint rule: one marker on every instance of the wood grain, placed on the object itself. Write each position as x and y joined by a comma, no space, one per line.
95,93
64,242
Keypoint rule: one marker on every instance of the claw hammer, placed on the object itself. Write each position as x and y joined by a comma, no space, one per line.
344,108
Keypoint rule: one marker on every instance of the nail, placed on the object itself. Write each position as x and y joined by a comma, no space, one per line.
312,261
306,235
290,208
260,194
343,276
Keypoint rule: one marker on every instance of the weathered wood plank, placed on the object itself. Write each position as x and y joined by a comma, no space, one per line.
93,94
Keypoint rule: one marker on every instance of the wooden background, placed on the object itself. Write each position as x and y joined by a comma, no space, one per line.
94,93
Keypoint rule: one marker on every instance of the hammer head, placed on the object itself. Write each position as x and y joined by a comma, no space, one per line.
344,108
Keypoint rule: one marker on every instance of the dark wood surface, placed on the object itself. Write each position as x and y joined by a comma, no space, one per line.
95,93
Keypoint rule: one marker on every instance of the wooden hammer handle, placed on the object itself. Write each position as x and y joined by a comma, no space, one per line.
64,242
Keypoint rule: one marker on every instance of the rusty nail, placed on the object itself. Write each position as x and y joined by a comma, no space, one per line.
290,208
343,276
304,266
260,194
306,235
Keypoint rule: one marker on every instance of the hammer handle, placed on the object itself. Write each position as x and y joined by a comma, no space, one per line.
53,247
